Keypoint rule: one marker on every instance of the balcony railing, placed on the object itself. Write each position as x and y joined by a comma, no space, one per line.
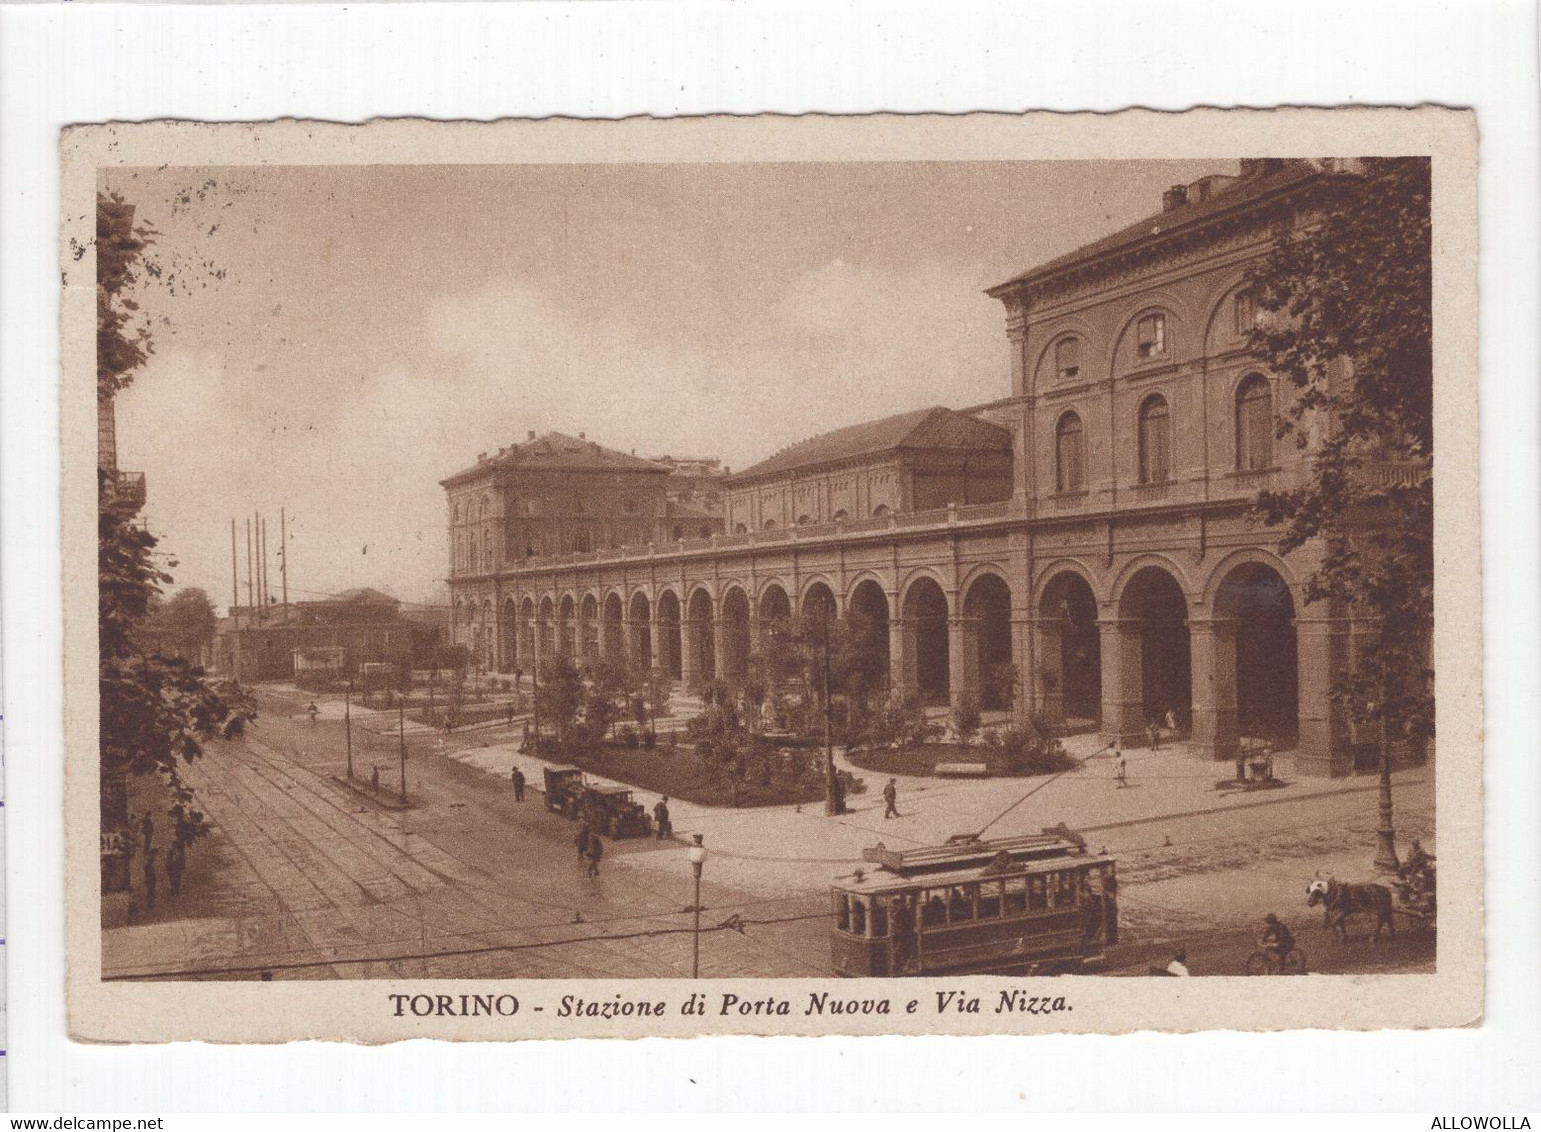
131,489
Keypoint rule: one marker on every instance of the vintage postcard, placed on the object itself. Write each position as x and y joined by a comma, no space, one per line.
963,575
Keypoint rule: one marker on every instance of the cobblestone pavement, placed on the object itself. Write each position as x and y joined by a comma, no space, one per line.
307,877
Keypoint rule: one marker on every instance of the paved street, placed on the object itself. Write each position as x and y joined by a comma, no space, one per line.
306,877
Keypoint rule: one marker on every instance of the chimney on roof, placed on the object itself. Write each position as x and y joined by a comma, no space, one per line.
582,435
1175,197
529,436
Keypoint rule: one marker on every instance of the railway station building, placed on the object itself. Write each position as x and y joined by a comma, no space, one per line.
1080,548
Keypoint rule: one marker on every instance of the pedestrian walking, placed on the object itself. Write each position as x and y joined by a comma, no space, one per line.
149,878
891,799
1120,766
1153,734
147,830
665,827
510,715
596,850
518,778
312,710
176,865
585,835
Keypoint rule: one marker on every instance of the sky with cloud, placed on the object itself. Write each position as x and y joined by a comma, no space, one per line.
372,328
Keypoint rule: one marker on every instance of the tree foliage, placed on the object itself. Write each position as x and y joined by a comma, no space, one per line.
156,712
1347,291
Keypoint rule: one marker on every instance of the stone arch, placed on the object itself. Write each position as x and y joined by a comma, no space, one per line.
1068,647
639,611
566,618
734,630
1129,569
1178,321
1154,663
818,599
700,658
1219,330
588,627
868,615
612,619
774,605
545,627
927,660
1251,676
508,635
669,644
989,663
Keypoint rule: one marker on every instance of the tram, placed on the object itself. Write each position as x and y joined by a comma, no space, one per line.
1035,904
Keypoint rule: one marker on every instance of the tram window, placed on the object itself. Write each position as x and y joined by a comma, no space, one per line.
989,900
934,911
858,918
843,913
960,907
1035,894
879,919
1016,895
1067,889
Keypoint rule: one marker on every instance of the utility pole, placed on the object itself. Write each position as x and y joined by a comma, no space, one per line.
833,804
347,724
251,598
283,557
262,570
235,582
1386,837
401,733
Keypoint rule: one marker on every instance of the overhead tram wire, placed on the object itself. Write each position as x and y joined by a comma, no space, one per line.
1047,781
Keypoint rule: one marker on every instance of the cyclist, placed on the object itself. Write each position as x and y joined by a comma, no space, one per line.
1277,940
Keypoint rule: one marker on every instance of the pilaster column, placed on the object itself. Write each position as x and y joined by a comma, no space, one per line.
1123,676
1215,729
963,659
903,641
1322,648
660,658
1049,680
722,646
690,659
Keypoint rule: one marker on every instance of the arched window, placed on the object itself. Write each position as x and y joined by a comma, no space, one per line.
1067,359
679,532
841,515
1069,454
487,550
740,529
769,525
880,511
1254,424
706,530
803,520
1155,440
1150,336
457,512
1244,312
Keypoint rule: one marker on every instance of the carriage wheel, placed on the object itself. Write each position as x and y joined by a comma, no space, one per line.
1295,963
1259,963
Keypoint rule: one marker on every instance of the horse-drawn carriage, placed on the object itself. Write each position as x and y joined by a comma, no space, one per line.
1411,894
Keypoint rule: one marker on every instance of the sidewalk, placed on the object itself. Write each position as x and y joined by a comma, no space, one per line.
1171,792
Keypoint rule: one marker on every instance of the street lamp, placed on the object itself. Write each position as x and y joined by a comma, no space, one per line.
347,723
1386,837
697,853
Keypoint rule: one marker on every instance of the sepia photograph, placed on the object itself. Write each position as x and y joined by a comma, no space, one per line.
723,576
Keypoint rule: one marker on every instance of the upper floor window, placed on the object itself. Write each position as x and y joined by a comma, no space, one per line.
1069,454
1254,424
803,520
1155,440
841,515
880,511
1150,336
1244,312
457,512
740,529
769,525
1067,359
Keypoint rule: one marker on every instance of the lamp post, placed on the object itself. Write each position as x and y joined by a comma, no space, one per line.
833,803
401,734
1386,837
697,853
347,724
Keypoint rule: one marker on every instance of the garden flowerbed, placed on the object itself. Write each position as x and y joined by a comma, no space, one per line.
678,775
921,761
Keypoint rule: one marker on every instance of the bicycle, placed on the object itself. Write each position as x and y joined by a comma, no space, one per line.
1262,962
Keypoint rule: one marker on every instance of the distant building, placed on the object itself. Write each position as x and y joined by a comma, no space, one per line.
1081,550
344,632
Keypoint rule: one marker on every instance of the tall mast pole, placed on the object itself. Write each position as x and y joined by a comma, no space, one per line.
262,560
283,556
235,581
251,596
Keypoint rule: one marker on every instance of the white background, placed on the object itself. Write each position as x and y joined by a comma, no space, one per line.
75,63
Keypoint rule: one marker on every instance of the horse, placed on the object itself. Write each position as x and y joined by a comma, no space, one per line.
1340,900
